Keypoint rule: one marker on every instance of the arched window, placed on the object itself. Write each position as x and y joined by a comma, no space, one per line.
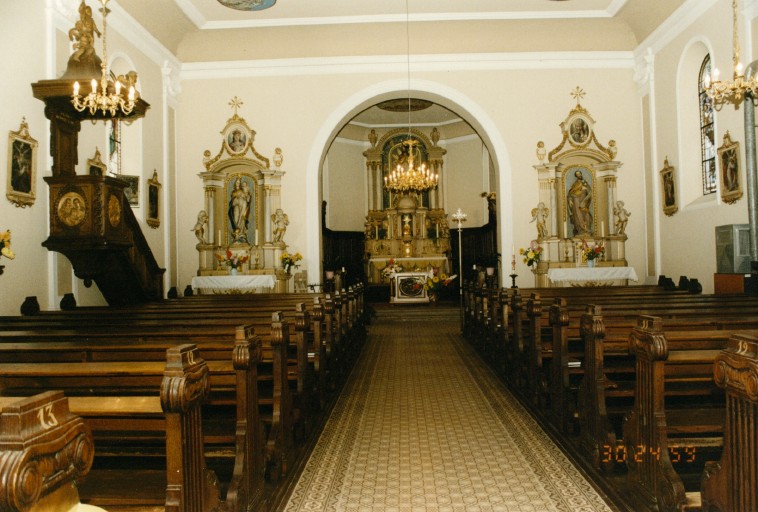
707,137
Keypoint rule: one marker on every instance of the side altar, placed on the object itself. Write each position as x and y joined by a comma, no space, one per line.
242,225
579,210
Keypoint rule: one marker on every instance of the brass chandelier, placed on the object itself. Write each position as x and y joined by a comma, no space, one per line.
107,96
410,179
403,180
735,90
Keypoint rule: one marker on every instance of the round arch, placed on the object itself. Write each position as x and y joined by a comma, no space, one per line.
450,98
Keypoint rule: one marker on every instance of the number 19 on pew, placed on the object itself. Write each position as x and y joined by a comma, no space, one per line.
618,453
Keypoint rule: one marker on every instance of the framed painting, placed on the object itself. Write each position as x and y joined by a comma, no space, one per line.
668,188
153,201
236,138
729,159
132,189
22,165
95,166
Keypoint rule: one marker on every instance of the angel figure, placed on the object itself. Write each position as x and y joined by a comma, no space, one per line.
280,221
199,229
278,157
539,215
622,217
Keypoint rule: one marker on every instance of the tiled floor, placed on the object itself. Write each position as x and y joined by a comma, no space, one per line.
423,426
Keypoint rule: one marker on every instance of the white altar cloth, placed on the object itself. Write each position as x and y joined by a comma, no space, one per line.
595,274
232,284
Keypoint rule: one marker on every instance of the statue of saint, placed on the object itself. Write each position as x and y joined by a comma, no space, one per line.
239,210
280,222
622,217
539,215
199,229
579,202
83,34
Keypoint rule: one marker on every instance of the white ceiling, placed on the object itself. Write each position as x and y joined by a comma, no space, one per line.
210,14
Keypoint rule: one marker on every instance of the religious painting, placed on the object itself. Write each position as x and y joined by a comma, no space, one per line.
153,201
236,139
22,165
241,199
95,166
668,189
729,159
131,191
247,5
579,194
579,131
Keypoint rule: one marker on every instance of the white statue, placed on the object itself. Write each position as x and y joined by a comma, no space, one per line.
280,222
199,229
622,217
539,215
239,210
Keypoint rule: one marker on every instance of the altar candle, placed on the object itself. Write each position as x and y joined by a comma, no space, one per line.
256,237
565,229
513,252
219,237
602,229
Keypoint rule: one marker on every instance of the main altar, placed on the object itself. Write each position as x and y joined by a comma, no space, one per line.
579,209
406,226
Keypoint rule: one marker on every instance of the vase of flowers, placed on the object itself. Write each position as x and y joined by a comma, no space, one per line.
532,254
233,261
592,254
391,269
289,261
435,284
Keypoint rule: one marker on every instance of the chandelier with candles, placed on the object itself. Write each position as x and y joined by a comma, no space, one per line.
409,178
735,90
107,95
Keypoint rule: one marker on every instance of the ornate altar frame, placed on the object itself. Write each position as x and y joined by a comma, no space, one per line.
578,163
236,167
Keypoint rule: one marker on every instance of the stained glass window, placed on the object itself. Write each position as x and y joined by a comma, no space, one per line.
707,136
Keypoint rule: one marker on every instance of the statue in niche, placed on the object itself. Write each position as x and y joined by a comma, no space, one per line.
199,229
239,210
579,201
280,221
406,225
539,215
622,217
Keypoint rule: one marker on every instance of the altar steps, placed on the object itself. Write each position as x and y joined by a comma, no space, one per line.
417,312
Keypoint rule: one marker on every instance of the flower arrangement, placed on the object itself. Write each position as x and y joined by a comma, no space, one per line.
436,283
531,254
593,253
391,268
232,260
5,245
290,260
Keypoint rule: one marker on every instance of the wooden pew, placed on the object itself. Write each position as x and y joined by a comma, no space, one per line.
147,401
649,429
731,484
44,452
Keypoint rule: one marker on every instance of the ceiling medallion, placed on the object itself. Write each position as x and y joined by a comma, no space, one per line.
247,5
404,105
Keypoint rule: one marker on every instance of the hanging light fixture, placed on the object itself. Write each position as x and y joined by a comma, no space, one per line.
408,178
106,96
735,90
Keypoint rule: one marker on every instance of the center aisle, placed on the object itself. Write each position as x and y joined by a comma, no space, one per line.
422,425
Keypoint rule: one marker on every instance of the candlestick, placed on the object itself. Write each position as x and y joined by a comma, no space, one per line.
513,263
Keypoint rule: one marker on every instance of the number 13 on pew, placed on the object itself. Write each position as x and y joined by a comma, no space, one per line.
618,453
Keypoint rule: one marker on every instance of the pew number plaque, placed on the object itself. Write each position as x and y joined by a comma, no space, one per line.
619,453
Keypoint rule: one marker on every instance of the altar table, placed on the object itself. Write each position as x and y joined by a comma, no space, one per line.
408,287
595,276
205,285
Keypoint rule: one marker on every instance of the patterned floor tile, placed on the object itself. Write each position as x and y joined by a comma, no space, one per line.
423,426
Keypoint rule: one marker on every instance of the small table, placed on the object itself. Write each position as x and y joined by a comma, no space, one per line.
595,276
227,285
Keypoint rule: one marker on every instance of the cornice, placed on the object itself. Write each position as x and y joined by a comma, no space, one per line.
687,13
